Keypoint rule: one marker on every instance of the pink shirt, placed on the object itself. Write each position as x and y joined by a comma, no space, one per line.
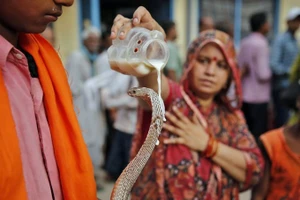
254,53
26,102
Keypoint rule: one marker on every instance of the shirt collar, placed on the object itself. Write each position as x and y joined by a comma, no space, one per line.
5,48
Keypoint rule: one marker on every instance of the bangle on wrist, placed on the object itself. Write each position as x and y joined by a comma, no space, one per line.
216,147
211,148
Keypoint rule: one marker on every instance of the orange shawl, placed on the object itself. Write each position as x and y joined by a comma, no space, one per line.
73,161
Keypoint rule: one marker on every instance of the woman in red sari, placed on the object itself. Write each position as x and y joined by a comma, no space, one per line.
206,150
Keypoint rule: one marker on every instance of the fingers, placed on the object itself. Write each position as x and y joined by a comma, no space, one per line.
121,25
174,120
178,140
173,129
141,18
141,15
180,116
196,120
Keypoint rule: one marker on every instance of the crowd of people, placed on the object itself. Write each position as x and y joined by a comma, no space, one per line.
62,123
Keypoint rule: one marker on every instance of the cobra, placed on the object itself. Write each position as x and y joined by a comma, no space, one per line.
130,174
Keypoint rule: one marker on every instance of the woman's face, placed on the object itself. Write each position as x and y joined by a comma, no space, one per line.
210,72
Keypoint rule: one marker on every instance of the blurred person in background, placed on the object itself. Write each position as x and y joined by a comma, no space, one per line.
48,34
101,62
173,68
115,96
203,131
284,52
103,65
81,67
253,59
206,23
281,149
226,26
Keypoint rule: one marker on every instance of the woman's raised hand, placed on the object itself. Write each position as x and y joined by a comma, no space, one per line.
141,18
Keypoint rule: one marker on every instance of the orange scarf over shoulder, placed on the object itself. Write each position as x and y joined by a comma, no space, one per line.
74,165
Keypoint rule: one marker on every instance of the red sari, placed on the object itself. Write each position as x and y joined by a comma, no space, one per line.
177,172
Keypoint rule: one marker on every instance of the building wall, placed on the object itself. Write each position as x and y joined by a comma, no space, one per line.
184,13
66,31
285,6
180,18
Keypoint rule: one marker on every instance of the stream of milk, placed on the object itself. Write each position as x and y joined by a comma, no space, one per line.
159,65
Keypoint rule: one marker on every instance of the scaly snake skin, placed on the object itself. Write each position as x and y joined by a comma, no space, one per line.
130,174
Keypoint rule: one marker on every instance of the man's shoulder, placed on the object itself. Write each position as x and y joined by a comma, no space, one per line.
254,42
281,37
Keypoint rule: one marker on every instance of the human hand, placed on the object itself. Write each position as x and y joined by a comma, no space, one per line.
141,18
189,132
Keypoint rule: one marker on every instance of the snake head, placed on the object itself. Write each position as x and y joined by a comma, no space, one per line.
137,92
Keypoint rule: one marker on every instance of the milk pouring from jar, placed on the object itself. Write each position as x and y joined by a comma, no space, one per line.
139,54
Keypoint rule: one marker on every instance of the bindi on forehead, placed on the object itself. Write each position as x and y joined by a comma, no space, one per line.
212,58
215,59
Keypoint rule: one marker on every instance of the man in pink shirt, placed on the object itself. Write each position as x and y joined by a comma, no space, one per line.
253,60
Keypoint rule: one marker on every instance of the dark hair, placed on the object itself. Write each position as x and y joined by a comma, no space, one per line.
105,34
225,26
167,25
257,20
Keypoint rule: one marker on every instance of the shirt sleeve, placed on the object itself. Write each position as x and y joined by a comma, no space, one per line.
276,57
123,100
240,57
116,95
252,154
262,67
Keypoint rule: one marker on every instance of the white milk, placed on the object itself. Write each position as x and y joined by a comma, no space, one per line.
158,65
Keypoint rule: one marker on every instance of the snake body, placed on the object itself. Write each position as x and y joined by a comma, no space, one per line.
130,174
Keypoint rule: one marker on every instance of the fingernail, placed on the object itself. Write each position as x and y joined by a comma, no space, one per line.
122,33
135,20
112,34
174,108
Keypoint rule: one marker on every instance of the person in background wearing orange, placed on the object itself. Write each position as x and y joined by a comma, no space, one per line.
173,69
281,148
